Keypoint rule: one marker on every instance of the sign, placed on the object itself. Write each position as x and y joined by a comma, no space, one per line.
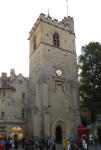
95,134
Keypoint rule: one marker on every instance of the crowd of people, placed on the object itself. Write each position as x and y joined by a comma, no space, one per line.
47,144
80,143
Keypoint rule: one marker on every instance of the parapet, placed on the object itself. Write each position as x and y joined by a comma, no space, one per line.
65,24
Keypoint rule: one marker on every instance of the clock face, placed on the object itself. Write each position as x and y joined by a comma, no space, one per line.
59,72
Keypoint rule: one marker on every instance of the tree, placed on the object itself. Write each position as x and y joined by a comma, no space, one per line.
89,65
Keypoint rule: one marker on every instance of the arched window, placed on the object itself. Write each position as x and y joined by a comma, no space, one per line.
34,43
56,39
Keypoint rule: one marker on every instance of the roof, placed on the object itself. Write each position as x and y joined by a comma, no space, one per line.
7,86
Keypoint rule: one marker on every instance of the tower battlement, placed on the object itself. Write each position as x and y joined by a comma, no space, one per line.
66,23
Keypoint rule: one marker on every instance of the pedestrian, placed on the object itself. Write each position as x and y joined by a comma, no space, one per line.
77,143
47,144
0,145
31,143
26,145
71,137
91,139
40,144
23,142
43,141
64,144
15,144
96,142
53,144
72,145
80,143
7,144
68,145
84,143
87,140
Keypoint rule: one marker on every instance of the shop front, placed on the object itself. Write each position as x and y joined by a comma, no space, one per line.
3,135
16,132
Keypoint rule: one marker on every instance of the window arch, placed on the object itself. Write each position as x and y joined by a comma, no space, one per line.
34,43
56,39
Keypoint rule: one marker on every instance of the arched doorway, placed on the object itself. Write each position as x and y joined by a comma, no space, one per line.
58,134
16,132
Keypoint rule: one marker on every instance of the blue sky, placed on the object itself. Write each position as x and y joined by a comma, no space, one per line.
18,16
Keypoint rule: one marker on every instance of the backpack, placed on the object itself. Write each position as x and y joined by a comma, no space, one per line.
96,139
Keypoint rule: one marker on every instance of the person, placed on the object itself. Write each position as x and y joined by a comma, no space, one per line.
80,143
26,145
53,144
64,143
31,143
7,144
91,139
68,145
96,142
43,141
40,143
84,143
47,144
23,142
72,145
71,137
0,145
77,143
15,144
86,140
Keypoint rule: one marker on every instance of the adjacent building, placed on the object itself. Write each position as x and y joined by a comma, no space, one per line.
13,103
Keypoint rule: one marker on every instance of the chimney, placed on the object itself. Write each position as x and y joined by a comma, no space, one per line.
12,74
4,75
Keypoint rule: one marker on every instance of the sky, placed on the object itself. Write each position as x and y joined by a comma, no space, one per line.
18,16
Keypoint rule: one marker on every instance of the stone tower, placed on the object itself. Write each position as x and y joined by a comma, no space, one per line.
53,106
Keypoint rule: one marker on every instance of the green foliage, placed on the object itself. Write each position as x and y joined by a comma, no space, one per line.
89,65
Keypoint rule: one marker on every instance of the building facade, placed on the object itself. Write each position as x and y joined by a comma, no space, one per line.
13,103
47,103
53,106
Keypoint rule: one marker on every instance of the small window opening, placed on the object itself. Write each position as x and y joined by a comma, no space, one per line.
2,114
23,113
4,93
9,94
34,43
23,95
56,40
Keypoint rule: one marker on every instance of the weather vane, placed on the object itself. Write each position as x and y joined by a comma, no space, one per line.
67,8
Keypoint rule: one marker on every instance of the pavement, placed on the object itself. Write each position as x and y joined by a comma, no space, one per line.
60,147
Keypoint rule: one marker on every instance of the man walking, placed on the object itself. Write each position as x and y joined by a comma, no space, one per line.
91,139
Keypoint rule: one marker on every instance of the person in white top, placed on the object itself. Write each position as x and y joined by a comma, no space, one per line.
91,139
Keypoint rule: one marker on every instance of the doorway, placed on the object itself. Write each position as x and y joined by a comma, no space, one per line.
99,135
58,134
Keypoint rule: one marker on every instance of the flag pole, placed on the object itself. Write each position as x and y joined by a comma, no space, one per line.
67,8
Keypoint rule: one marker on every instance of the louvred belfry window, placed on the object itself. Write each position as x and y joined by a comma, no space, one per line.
56,40
34,43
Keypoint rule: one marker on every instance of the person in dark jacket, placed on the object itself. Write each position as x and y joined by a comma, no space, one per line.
31,143
40,143
47,144
43,141
72,145
26,145
15,144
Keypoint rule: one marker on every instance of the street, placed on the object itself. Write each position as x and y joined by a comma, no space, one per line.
60,147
